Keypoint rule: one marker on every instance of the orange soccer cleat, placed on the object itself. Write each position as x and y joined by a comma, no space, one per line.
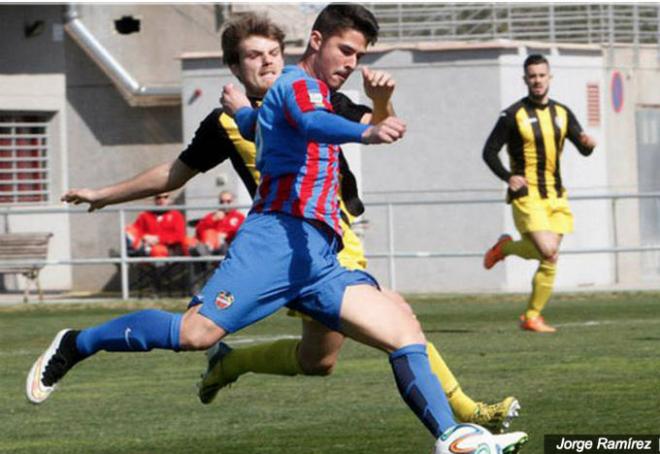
495,253
536,324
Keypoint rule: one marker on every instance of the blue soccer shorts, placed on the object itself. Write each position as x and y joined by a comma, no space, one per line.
278,260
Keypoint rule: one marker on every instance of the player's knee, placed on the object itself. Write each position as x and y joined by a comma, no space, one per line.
197,334
321,366
550,252
411,333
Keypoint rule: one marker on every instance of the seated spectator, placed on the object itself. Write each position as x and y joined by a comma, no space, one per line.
160,232
217,229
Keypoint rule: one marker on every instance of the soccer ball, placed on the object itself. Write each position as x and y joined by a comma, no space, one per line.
466,439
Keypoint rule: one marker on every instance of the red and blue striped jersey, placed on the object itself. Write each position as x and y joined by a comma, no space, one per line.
297,138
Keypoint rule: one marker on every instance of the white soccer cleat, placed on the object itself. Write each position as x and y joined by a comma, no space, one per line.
47,371
511,443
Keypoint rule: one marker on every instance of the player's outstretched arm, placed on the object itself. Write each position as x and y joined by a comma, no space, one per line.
161,178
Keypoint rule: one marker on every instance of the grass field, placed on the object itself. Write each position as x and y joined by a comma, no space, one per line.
599,374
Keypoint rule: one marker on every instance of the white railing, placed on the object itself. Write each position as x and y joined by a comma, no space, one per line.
588,23
391,253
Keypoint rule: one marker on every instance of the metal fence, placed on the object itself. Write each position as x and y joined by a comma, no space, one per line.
390,254
588,23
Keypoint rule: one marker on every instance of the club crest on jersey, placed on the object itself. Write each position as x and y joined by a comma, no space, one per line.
559,122
224,300
316,98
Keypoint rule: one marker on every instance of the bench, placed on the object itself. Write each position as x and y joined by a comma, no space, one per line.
24,247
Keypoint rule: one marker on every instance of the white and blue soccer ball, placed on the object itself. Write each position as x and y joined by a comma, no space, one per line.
466,439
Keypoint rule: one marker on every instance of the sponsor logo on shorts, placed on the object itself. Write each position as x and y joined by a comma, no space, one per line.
224,300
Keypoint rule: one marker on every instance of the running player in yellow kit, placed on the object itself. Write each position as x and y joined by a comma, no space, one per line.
534,130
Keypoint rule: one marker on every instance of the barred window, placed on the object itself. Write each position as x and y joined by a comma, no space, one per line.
24,169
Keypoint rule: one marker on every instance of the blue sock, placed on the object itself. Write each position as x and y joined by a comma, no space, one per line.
136,332
421,389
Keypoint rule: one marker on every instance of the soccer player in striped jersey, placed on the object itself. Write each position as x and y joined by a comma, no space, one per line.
317,351
534,130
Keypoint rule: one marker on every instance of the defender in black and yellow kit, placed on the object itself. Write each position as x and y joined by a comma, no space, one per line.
253,50
534,130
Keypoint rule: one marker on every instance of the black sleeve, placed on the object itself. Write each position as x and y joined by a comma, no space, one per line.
346,108
209,146
348,188
573,132
498,137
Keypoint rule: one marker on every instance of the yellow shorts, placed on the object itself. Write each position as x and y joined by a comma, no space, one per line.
535,215
352,256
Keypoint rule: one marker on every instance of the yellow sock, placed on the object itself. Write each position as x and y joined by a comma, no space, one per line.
278,358
542,285
523,248
462,406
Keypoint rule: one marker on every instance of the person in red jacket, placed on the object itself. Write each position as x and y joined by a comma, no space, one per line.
159,232
217,229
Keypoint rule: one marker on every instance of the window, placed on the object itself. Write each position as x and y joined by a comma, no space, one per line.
24,170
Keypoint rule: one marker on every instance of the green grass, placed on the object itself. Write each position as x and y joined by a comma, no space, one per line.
601,377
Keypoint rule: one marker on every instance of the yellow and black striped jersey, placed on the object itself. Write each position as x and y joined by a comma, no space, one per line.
534,135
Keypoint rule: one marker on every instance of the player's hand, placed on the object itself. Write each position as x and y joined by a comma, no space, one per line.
378,85
233,99
387,131
85,195
587,141
517,182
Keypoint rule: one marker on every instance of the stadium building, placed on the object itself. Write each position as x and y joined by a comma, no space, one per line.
93,94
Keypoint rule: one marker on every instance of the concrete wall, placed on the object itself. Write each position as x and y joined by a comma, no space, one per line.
440,158
32,79
109,141
629,170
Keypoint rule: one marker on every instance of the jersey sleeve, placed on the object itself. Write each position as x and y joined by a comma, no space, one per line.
209,146
496,140
343,106
246,120
573,132
307,107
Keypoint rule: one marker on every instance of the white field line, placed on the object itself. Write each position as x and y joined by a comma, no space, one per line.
605,322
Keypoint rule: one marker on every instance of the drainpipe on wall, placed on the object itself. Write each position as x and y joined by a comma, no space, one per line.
136,95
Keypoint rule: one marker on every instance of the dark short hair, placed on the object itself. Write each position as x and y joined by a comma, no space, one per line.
246,25
535,59
336,18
